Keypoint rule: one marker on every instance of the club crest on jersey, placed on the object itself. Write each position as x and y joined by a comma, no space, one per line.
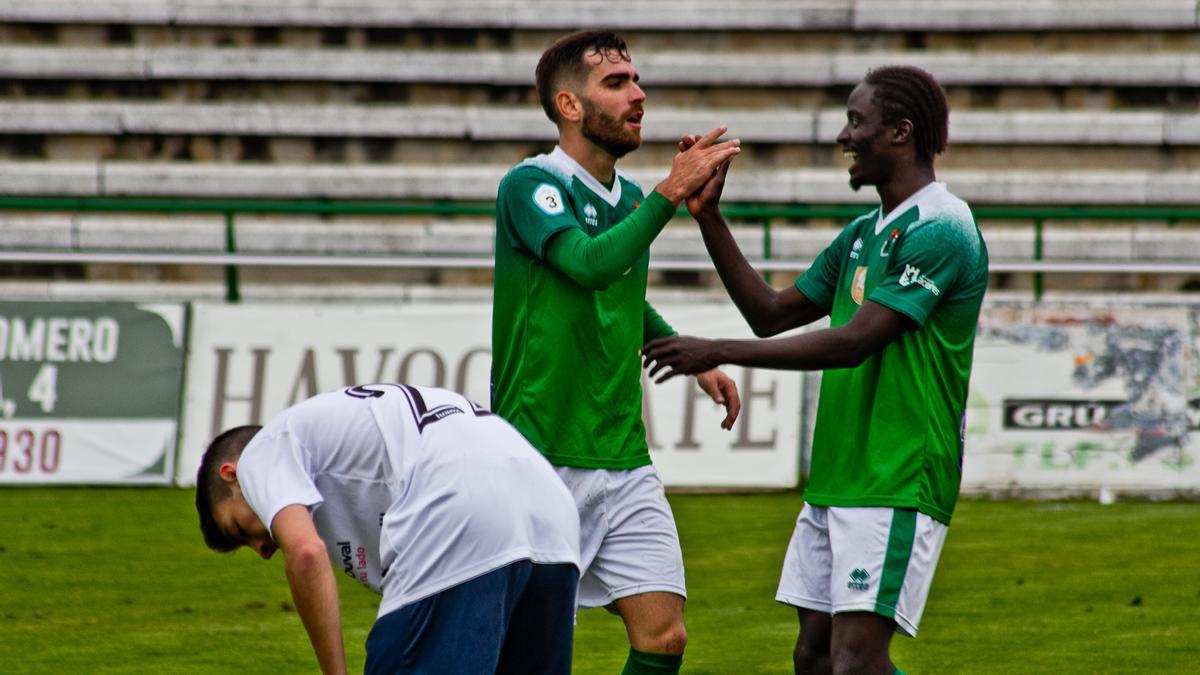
590,216
886,249
856,248
548,199
858,286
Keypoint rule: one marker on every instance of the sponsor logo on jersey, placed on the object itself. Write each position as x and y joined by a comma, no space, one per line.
590,216
347,552
858,580
856,248
858,285
912,275
548,199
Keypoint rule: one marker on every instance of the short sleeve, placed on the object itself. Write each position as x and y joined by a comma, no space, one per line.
531,208
273,474
923,271
819,282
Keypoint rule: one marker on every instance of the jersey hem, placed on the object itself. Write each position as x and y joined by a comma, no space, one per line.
389,605
934,512
575,462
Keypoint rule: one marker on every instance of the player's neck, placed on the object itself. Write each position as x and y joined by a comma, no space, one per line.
591,157
903,185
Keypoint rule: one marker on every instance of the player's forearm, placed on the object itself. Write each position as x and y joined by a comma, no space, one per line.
596,262
314,591
755,299
818,350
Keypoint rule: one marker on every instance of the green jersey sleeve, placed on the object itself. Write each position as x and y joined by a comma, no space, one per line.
819,281
536,209
925,266
596,262
653,325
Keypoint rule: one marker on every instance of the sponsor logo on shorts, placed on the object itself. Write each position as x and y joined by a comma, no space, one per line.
858,580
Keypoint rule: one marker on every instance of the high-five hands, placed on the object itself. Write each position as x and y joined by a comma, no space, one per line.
709,194
696,164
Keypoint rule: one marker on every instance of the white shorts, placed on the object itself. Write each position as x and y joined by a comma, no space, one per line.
862,559
628,543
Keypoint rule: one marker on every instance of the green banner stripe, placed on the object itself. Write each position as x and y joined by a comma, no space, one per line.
895,564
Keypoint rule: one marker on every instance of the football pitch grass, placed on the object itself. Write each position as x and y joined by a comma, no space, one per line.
118,581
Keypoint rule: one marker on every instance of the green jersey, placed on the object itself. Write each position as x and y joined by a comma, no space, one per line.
565,364
889,432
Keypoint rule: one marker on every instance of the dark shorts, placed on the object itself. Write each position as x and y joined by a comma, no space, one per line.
517,619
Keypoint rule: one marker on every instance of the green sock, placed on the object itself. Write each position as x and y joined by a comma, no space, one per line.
642,663
898,671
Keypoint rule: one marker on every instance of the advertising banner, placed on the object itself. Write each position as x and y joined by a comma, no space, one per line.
89,391
248,362
1080,399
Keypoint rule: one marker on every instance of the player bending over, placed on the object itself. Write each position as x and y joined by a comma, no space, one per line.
444,508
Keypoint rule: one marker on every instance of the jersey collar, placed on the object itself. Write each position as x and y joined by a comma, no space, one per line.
882,222
612,197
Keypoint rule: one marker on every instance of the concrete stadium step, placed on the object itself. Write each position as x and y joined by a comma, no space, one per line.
417,182
771,15
301,235
660,68
495,123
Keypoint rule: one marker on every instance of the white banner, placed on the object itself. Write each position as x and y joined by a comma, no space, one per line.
89,391
248,362
1081,399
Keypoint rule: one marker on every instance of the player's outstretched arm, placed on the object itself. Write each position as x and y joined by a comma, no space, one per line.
767,311
872,328
314,588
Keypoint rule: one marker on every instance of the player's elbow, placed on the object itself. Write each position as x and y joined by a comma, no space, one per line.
307,555
595,281
854,349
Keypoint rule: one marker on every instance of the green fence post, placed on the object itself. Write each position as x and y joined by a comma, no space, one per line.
767,247
233,293
1038,281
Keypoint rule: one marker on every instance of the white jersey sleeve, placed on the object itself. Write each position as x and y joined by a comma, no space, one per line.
275,471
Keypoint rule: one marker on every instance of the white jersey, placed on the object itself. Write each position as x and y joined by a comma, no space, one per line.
413,489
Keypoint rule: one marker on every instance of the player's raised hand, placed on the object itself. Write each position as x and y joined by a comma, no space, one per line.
723,391
679,355
696,164
708,197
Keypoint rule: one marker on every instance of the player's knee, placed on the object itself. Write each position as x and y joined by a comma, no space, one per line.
849,659
807,658
671,640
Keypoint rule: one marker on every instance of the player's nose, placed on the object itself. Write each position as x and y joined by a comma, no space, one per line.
266,549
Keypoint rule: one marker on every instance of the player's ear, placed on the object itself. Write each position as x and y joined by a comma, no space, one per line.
902,131
228,472
570,108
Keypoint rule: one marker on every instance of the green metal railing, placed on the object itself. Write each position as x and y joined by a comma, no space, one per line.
769,215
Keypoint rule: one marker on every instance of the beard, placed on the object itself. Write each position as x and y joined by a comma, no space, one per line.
609,133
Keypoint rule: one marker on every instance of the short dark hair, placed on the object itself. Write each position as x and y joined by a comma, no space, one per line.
211,490
562,63
907,92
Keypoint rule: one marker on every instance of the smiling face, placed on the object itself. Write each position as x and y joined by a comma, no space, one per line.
611,103
867,141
